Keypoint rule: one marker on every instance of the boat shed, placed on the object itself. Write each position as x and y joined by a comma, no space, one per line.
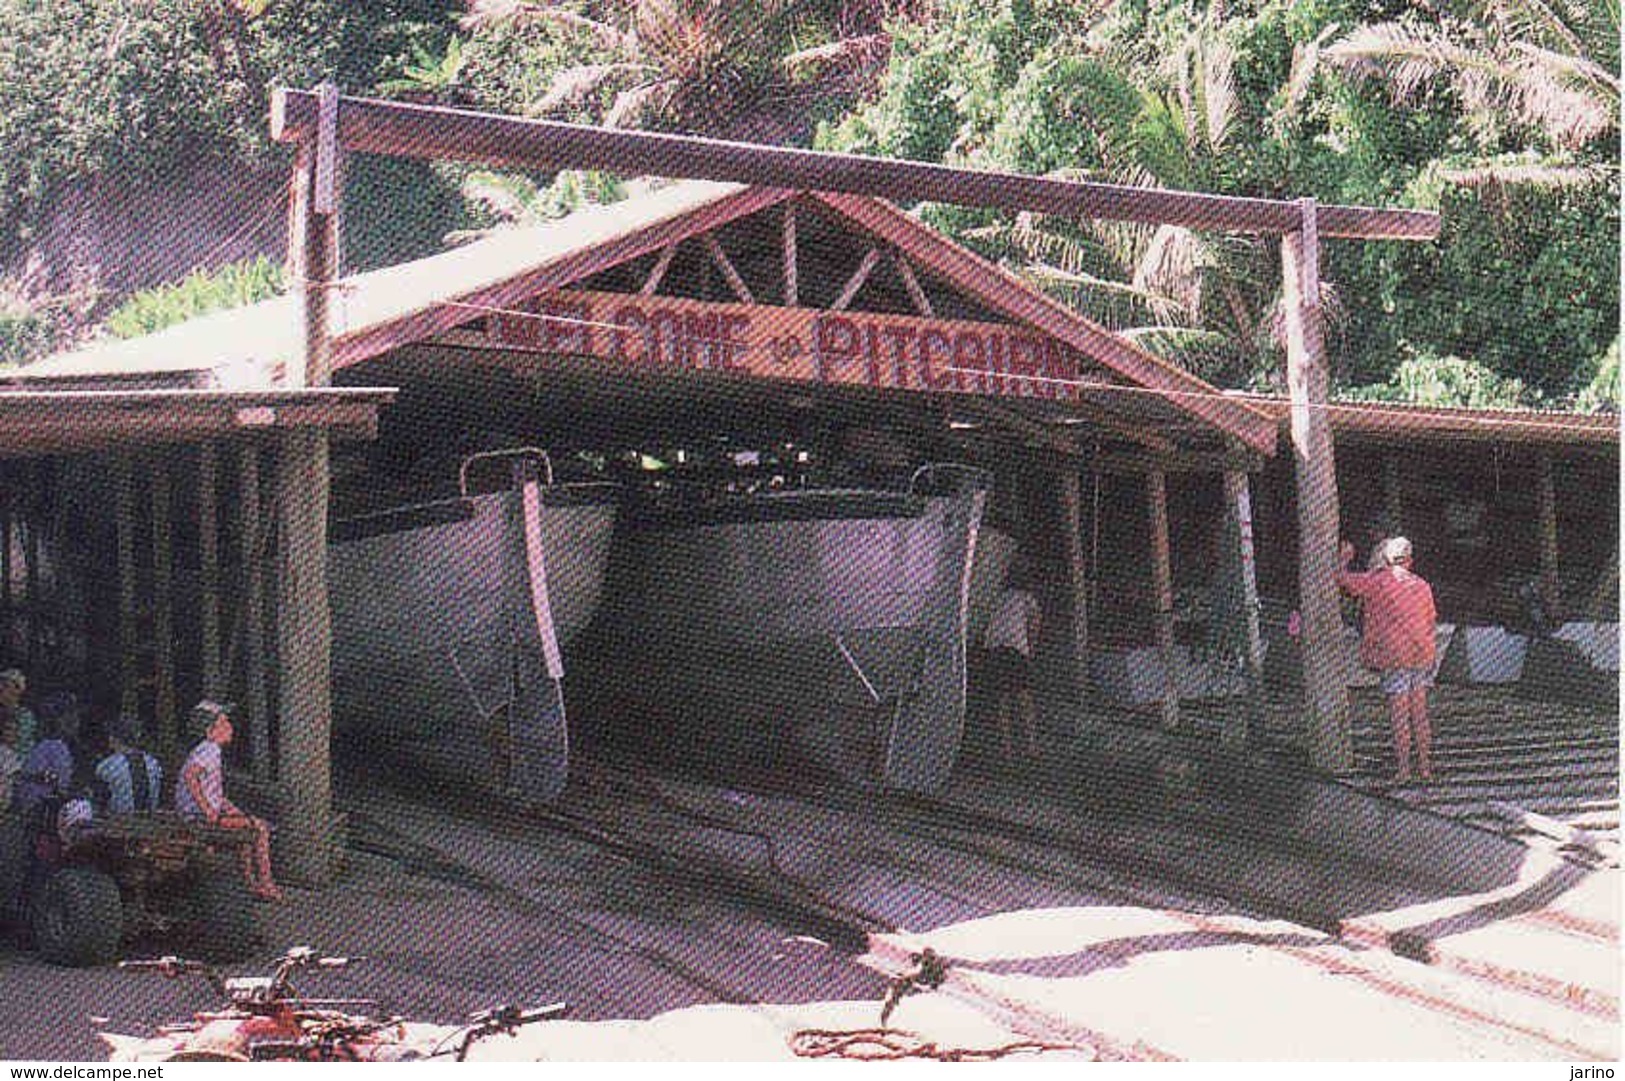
694,306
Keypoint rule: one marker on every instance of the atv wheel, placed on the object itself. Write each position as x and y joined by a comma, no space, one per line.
228,928
78,919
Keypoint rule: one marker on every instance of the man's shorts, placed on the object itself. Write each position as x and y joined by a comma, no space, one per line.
1405,680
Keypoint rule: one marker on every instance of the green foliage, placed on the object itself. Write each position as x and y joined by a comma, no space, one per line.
233,286
108,87
437,78
1601,392
1449,381
26,334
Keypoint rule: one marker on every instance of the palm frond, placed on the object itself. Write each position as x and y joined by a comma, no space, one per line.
1493,175
854,53
633,104
573,85
1221,106
484,13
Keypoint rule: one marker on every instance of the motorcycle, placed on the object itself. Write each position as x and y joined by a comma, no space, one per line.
266,1019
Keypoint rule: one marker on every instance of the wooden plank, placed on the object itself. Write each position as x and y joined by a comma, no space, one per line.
373,126
304,658
911,283
208,527
1237,732
163,636
1162,578
792,295
741,291
657,273
1070,497
124,510
1315,469
98,430
1002,291
856,281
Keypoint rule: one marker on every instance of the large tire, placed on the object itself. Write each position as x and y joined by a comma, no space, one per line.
228,928
78,918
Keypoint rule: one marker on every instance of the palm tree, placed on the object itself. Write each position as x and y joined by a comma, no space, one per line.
1540,74
703,65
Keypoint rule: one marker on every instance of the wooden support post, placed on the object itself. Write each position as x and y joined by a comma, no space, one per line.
1071,499
1239,506
741,291
163,637
304,632
124,511
304,654
251,611
1162,576
1392,501
7,519
1551,584
208,533
31,561
911,283
1325,681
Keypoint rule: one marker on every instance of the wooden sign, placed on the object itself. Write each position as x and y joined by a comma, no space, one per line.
806,344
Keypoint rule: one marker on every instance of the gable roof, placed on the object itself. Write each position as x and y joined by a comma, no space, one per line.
380,310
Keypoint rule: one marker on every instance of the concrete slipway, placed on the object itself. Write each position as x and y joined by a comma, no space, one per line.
1132,901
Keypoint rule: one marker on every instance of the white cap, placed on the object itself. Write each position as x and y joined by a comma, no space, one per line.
1396,550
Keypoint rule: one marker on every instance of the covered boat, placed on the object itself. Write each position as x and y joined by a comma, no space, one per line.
830,621
450,617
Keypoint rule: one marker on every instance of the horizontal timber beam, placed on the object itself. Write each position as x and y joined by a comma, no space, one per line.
372,126
1179,462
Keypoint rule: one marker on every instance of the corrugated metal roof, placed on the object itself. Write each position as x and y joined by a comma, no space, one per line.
1403,420
254,346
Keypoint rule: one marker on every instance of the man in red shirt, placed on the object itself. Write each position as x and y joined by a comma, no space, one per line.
1398,642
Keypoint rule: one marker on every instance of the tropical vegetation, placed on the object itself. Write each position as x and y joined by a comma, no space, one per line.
1502,115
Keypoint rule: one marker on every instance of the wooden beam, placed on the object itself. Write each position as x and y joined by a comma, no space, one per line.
792,297
1551,584
1070,498
567,270
1176,461
373,126
657,273
1162,579
124,511
1325,681
107,430
855,282
1002,291
916,294
8,490
1237,733
724,264
163,637
1006,417
208,531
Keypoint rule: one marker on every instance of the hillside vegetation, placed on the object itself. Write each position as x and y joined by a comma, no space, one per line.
1503,116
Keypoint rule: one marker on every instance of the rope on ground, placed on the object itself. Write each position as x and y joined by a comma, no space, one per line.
888,1044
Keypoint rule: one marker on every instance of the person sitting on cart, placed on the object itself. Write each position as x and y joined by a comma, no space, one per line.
201,794
131,780
47,772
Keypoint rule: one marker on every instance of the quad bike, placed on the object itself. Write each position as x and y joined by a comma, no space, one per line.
266,1019
83,891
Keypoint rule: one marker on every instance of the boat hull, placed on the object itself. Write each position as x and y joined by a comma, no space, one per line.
449,621
832,624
